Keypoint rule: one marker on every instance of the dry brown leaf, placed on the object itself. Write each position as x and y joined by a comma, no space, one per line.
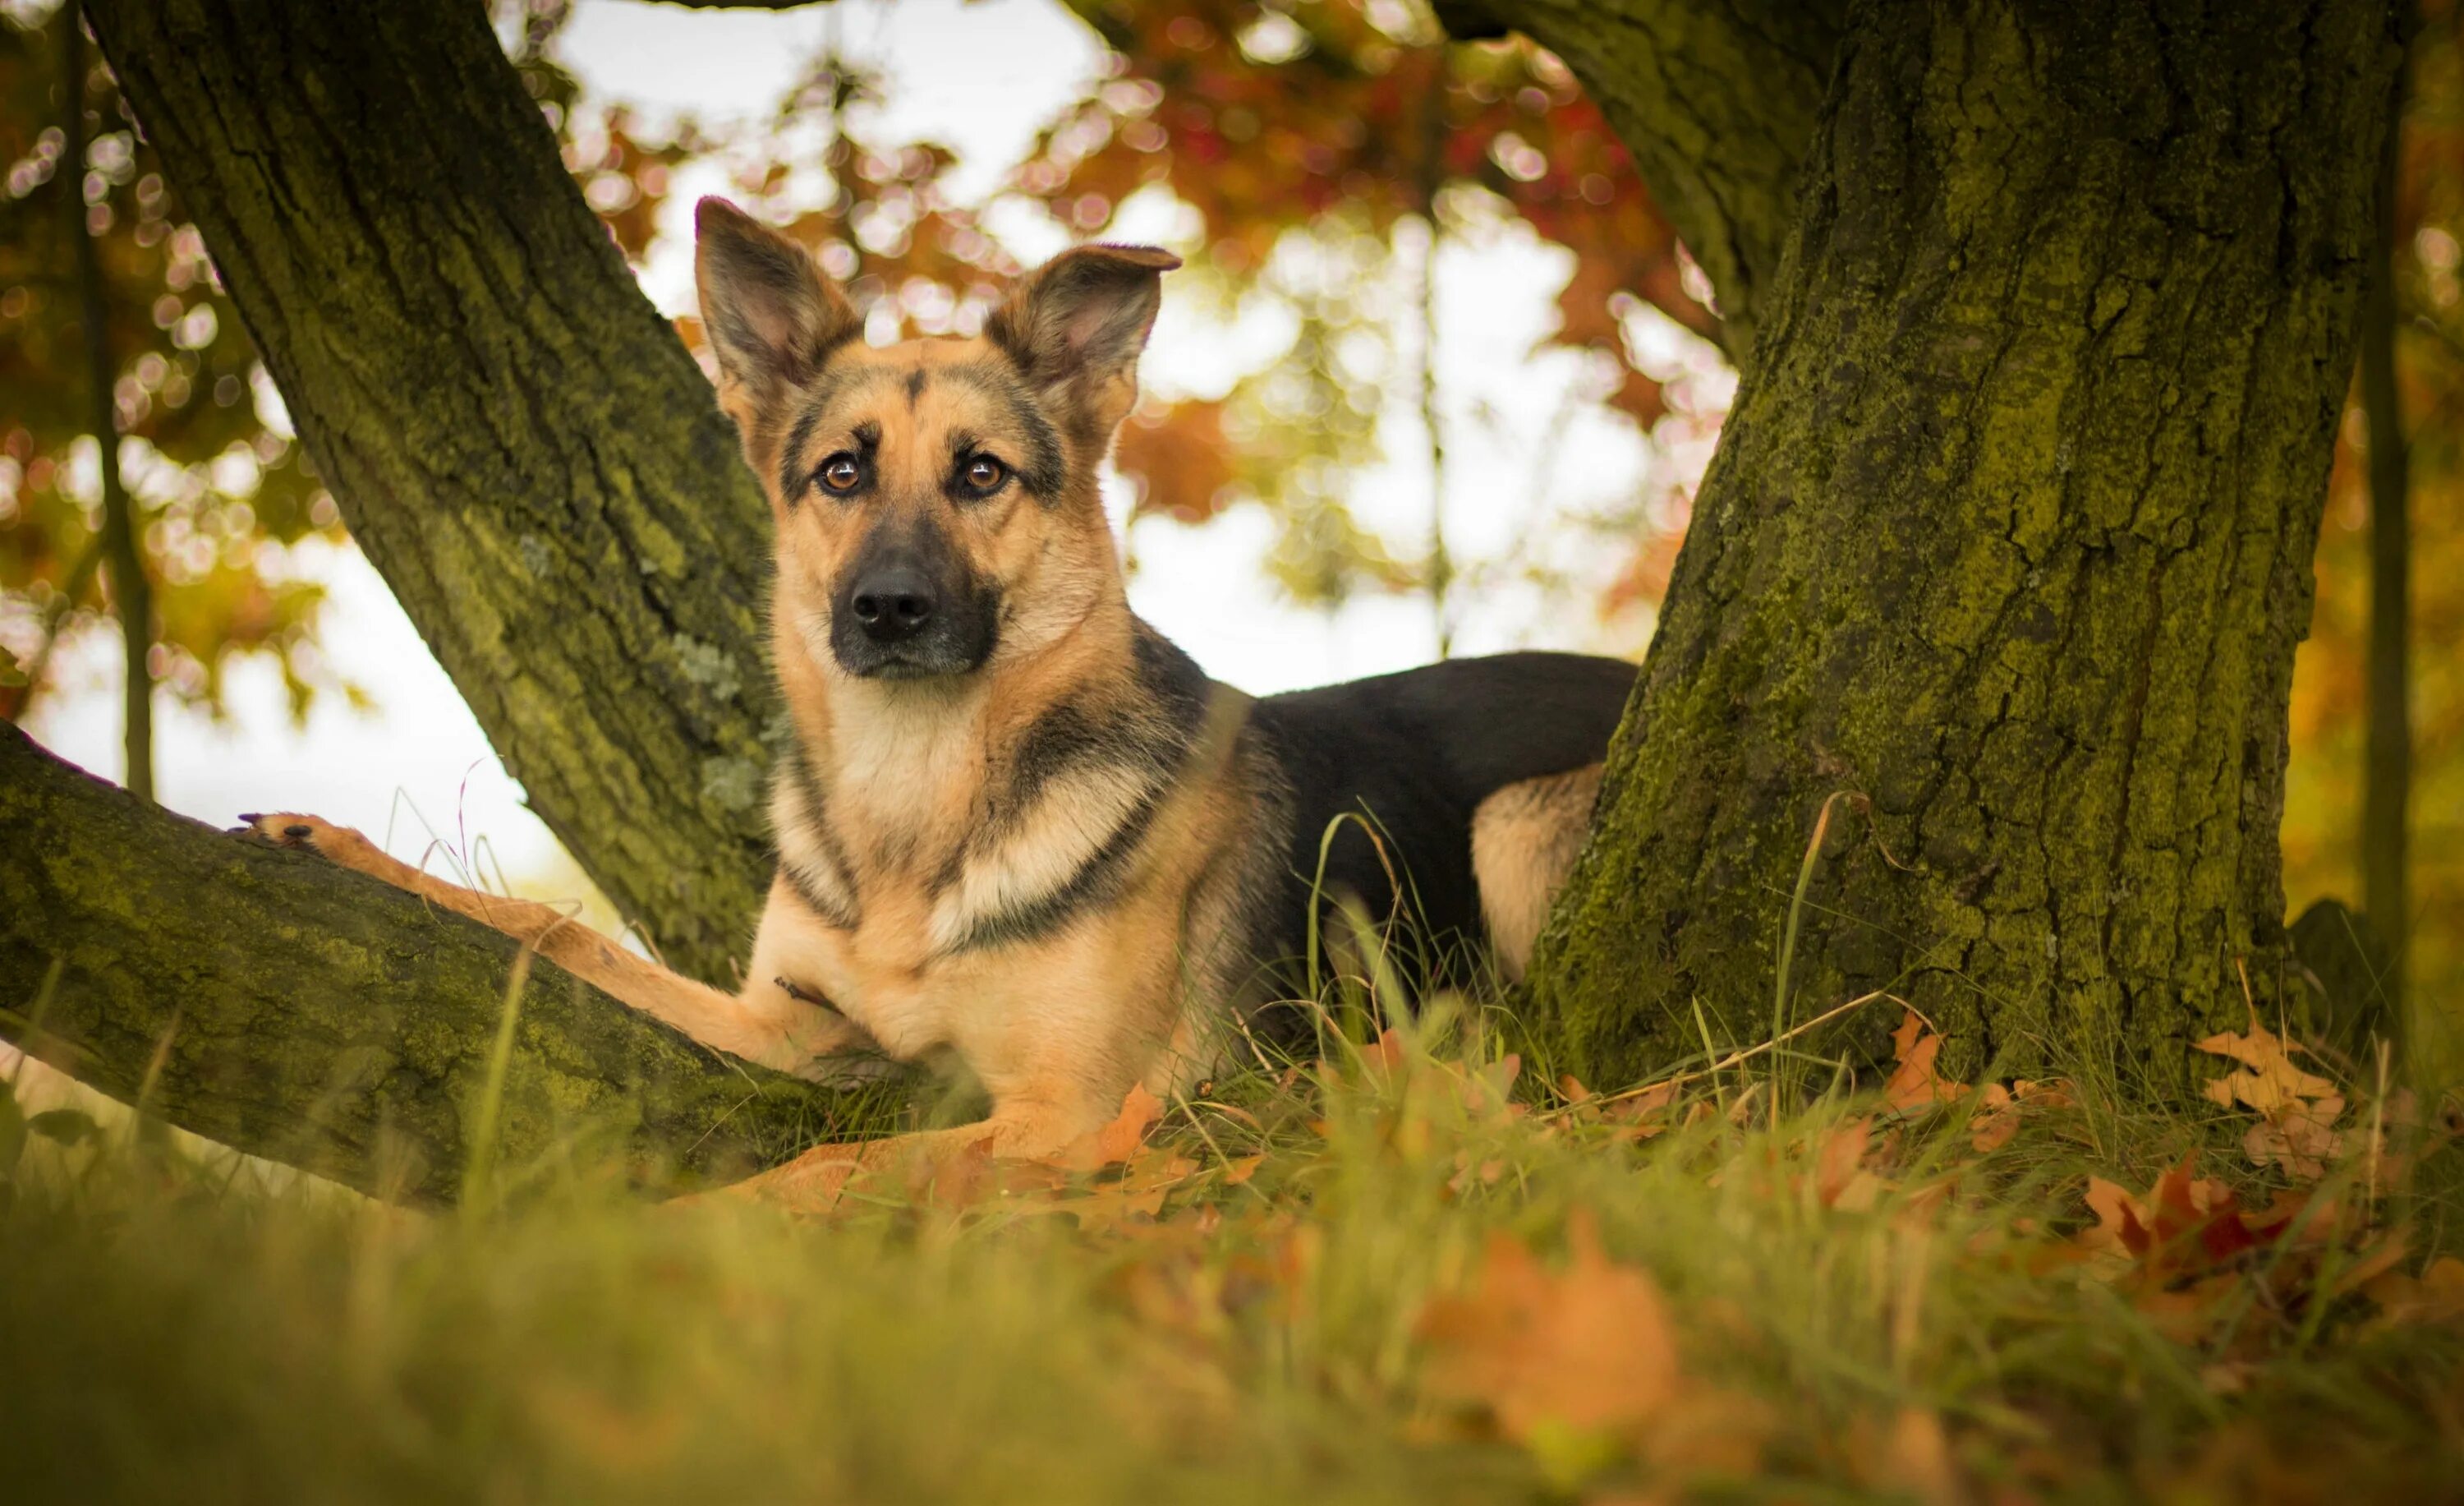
1485,1173
2228,1377
1115,1142
1996,1120
1591,1349
1644,1113
1490,1089
1911,1458
2367,1265
2113,1206
1386,1053
2300,1139
2297,1109
2188,1314
1914,1084
1839,1160
1998,1111
2269,1080
2436,1295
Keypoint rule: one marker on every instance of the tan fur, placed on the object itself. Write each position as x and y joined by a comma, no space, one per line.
1524,842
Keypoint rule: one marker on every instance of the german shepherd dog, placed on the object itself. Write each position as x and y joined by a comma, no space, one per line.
1015,825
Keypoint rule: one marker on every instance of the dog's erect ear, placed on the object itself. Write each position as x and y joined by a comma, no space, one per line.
772,317
1075,326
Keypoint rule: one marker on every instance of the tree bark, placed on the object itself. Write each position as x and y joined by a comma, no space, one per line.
132,591
295,1010
518,440
2010,533
2386,781
1716,99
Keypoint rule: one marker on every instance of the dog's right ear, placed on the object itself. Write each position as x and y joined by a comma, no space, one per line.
773,318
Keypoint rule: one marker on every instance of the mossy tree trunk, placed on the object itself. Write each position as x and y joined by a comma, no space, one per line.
288,1007
518,440
2010,533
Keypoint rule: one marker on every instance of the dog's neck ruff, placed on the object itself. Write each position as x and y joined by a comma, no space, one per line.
1005,803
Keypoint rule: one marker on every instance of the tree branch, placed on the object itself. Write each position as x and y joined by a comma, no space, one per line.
518,440
322,1018
1716,99
132,593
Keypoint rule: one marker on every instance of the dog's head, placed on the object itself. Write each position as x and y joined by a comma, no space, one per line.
936,501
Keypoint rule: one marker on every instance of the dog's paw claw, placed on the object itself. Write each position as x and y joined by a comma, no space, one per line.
282,828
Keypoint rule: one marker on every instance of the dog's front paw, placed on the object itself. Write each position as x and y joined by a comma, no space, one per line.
826,1047
848,1070
335,844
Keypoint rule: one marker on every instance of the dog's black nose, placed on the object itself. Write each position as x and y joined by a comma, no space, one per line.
894,604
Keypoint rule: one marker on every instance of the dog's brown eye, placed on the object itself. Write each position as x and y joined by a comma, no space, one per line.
983,474
840,473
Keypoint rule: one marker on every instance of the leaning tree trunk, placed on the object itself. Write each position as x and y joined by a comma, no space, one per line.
2010,534
518,441
272,1001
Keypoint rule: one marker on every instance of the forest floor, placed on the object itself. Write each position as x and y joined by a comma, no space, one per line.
1399,1274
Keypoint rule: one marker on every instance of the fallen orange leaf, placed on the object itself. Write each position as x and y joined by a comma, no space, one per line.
2269,1081
2299,1138
1839,1162
1997,1115
1118,1142
1591,1349
2436,1295
1914,1084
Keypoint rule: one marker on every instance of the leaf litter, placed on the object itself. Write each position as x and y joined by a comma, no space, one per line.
1652,1294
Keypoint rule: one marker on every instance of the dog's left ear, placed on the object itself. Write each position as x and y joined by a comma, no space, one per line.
1075,326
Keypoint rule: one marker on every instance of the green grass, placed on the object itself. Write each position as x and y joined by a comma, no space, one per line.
179,1325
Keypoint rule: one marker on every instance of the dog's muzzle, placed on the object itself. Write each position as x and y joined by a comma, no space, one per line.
908,607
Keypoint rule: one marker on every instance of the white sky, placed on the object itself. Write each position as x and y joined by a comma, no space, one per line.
981,77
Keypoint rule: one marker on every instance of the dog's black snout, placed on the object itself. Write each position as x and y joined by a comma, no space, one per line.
894,604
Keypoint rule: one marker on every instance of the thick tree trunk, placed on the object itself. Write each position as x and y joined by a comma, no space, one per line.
517,439
1716,100
293,1009
2011,534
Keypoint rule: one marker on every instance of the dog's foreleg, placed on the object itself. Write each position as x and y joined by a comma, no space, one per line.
765,1024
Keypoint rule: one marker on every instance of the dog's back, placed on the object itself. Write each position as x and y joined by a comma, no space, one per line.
1476,775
